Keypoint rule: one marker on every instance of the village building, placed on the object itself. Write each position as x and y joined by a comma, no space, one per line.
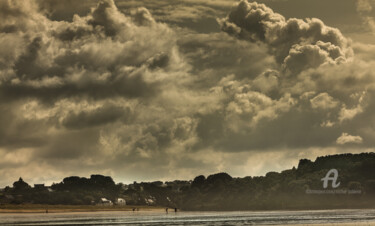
105,202
120,202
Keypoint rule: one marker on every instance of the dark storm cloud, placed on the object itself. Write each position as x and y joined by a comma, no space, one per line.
223,55
51,89
59,79
58,10
17,132
97,117
26,65
198,15
70,146
77,64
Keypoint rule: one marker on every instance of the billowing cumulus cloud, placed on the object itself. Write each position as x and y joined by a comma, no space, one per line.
346,139
156,91
103,54
69,80
295,43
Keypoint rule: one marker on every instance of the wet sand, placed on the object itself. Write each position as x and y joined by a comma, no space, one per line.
146,214
337,224
30,208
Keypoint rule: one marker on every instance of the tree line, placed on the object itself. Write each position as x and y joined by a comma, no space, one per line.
276,190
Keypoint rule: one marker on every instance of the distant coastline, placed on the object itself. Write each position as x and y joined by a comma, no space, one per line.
344,181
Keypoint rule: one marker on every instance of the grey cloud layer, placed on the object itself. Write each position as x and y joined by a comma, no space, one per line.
101,55
115,91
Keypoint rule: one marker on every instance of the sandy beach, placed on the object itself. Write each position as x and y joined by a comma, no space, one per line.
146,214
35,208
337,224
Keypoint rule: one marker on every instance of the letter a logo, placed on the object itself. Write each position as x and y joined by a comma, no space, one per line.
333,178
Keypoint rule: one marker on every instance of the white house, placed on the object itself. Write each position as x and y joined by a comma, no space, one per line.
120,202
105,202
150,200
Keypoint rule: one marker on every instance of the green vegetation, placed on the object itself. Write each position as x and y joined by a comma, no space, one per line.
284,190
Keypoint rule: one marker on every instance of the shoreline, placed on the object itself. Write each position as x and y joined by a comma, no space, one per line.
362,223
38,208
71,210
41,208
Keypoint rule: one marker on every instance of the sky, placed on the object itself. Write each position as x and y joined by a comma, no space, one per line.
171,89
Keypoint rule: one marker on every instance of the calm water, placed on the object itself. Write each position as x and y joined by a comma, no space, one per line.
192,218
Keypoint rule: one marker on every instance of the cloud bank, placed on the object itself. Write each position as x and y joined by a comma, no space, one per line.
98,88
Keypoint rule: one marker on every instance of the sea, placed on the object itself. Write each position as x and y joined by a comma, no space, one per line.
334,217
